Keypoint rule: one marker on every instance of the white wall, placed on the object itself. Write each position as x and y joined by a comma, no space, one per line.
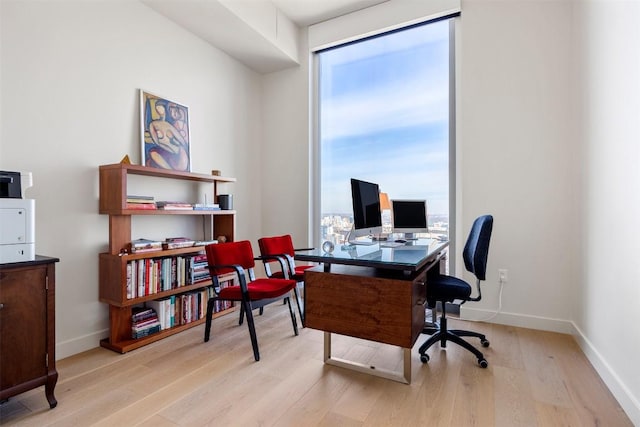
608,100
518,155
285,154
70,76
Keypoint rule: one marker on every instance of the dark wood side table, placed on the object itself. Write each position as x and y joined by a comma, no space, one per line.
27,327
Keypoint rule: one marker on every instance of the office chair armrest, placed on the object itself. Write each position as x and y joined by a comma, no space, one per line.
240,273
282,259
479,297
267,258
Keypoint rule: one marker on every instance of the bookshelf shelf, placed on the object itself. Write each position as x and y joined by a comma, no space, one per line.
113,264
128,344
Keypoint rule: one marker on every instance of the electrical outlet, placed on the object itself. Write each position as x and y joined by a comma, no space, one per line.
502,275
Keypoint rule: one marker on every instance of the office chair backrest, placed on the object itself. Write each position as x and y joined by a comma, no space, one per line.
476,250
239,253
276,245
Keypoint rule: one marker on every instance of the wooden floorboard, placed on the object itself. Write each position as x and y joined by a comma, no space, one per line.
534,378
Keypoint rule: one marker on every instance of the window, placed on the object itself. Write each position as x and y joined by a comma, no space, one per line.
385,110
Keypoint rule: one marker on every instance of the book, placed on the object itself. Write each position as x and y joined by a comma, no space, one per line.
131,205
142,198
141,314
130,293
177,239
176,208
144,324
160,308
174,205
145,332
206,207
177,245
144,245
204,242
140,277
141,201
177,242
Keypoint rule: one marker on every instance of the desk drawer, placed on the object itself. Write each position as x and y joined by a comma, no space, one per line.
358,302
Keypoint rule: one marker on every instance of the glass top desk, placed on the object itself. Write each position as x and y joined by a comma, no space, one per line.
410,257
372,292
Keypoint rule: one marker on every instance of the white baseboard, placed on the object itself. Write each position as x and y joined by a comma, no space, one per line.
80,344
519,320
617,387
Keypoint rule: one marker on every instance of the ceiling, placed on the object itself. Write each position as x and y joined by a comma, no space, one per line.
212,21
309,12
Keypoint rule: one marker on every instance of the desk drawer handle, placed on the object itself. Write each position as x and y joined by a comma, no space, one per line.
1,305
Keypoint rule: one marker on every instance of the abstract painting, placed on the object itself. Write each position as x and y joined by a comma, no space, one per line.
165,133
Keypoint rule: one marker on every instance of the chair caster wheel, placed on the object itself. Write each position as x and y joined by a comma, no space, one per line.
485,343
483,363
424,358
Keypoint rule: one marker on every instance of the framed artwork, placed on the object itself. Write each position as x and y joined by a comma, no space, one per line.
165,133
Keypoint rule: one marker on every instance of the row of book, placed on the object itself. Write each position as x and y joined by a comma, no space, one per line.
149,245
144,321
175,310
148,202
152,275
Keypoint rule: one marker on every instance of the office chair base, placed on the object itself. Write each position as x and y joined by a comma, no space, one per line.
443,335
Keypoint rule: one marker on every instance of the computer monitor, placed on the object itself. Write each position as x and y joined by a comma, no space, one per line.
409,217
367,218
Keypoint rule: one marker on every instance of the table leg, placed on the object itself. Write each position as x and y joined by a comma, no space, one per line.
403,377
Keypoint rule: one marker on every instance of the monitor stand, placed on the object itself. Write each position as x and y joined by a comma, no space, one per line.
410,236
360,241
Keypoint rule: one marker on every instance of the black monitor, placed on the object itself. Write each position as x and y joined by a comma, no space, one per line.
367,218
409,217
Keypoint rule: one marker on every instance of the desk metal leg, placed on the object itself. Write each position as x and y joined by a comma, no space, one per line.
403,377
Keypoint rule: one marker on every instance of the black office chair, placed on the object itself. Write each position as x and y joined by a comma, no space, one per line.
442,288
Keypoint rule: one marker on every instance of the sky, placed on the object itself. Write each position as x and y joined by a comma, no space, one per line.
384,106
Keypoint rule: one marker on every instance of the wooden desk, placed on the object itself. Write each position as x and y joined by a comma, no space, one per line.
375,295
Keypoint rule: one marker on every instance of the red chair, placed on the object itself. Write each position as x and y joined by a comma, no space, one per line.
237,257
277,254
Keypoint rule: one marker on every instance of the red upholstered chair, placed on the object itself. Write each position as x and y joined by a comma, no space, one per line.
277,255
237,257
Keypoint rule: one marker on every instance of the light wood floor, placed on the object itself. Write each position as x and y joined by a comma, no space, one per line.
534,379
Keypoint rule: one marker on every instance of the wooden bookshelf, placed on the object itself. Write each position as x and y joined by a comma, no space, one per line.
113,264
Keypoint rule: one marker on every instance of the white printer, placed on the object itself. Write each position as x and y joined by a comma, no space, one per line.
17,219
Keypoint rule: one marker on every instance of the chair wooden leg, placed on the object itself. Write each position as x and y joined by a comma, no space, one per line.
252,329
207,326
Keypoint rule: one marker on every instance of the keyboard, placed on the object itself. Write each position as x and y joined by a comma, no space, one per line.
391,244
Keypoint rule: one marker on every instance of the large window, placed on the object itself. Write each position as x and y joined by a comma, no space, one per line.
385,114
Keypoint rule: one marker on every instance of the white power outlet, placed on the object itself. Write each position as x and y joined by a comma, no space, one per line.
503,275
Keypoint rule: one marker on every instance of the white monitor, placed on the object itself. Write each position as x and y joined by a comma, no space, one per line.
409,217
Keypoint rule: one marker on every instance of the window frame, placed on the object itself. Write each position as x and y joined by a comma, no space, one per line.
315,215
